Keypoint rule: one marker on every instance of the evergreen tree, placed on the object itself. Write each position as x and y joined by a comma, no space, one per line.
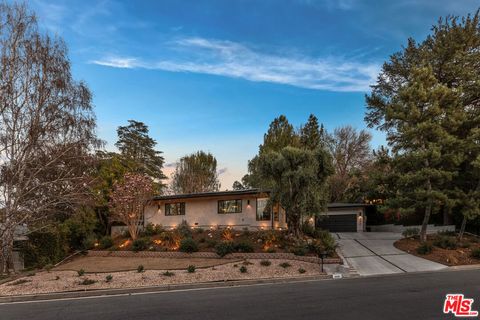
196,173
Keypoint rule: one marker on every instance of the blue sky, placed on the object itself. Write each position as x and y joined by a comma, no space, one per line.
211,75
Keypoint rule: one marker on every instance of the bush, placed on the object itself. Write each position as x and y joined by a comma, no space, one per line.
410,232
201,240
140,244
168,274
475,253
109,278
301,270
227,234
446,242
106,242
308,229
285,265
329,243
191,269
184,230
244,247
44,247
48,267
299,250
140,268
188,245
225,247
152,229
211,243
265,263
87,282
169,238
81,272
424,248
243,269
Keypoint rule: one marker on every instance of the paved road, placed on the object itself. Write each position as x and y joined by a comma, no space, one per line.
373,253
405,296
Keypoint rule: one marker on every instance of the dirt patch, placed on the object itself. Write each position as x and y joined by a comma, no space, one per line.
113,264
57,281
450,257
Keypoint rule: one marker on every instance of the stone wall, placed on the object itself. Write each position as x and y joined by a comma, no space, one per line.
237,255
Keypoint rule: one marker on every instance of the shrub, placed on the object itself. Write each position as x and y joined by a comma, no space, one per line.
446,242
265,263
424,248
299,250
285,265
152,229
301,270
244,247
227,234
199,230
184,230
270,250
201,240
44,247
87,282
308,229
225,247
329,243
106,242
410,232
140,268
168,274
191,268
188,245
475,253
140,244
109,278
211,243
48,267
170,238
243,269
81,272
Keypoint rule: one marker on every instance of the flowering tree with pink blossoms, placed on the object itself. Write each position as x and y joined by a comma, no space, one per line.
128,201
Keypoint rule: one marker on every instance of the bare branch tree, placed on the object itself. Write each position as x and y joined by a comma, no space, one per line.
47,127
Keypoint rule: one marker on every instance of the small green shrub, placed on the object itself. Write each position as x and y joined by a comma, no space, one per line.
243,269
109,278
87,282
270,250
265,263
244,247
299,250
184,230
446,242
81,272
308,229
188,245
106,242
225,247
211,243
424,248
168,274
285,265
152,229
329,244
169,238
48,267
199,230
140,268
140,244
475,253
410,232
191,268
301,270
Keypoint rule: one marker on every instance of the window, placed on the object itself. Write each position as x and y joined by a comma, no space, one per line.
264,210
229,206
175,209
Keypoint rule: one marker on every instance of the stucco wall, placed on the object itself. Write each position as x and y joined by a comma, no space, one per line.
204,213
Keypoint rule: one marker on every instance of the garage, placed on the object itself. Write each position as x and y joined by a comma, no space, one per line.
338,223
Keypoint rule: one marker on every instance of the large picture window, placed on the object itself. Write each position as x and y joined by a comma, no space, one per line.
229,206
264,210
175,209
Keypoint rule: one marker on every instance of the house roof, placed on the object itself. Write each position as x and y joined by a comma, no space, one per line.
210,194
346,205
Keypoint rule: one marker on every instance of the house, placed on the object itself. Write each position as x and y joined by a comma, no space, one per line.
242,209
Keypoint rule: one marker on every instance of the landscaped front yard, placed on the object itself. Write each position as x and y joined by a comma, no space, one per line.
57,280
445,248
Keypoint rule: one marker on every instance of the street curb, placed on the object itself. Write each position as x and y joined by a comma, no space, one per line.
165,288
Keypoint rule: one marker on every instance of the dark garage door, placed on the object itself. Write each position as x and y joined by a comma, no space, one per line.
338,223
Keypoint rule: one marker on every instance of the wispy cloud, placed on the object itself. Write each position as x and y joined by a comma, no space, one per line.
232,59
222,171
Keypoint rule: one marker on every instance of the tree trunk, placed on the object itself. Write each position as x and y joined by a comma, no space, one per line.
6,252
426,218
462,228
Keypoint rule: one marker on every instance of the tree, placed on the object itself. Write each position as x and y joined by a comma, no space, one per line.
351,155
196,173
47,128
445,70
138,148
128,200
300,181
237,185
312,135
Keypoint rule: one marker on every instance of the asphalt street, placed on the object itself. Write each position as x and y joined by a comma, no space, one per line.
400,296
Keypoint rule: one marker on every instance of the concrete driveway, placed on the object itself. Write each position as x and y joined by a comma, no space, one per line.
372,253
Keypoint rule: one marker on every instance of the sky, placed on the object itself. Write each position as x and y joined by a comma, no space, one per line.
212,75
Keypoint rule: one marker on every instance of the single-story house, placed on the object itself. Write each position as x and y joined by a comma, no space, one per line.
243,209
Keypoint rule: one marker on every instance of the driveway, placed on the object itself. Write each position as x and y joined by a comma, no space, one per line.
372,253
